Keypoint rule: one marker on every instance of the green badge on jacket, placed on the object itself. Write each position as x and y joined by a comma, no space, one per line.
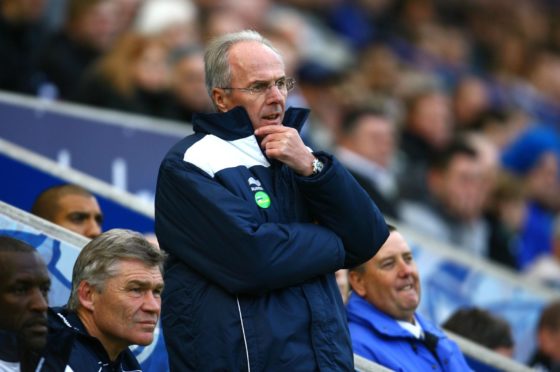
262,199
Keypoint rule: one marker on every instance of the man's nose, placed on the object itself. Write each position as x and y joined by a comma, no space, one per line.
274,94
93,229
38,302
405,268
152,303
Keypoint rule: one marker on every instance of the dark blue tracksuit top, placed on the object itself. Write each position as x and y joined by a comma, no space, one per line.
253,248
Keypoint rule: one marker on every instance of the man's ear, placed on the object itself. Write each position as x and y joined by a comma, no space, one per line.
357,282
221,99
86,295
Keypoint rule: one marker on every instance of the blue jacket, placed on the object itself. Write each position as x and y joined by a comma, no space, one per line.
69,345
253,248
378,337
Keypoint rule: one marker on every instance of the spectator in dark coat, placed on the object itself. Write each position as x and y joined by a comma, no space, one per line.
22,36
89,31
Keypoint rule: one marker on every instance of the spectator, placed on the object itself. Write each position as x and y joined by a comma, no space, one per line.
115,302
172,22
535,157
90,30
317,85
250,284
187,84
24,285
482,327
505,215
72,207
427,130
367,147
453,211
22,36
547,355
133,77
382,317
470,101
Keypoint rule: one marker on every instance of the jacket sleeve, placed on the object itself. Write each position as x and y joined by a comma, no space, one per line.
340,204
221,236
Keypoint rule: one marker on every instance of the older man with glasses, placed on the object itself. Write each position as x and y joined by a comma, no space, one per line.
256,224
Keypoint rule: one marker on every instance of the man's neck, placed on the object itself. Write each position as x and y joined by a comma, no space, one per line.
112,348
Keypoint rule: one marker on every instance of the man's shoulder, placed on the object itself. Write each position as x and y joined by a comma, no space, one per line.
213,154
71,348
6,366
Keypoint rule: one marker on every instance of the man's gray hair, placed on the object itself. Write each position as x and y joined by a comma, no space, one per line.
216,64
100,258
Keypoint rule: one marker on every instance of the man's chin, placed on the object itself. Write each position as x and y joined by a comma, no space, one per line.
35,342
143,334
143,339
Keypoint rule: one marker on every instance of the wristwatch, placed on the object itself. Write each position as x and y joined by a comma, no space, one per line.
317,166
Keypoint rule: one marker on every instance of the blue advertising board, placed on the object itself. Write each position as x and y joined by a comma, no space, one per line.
120,149
23,182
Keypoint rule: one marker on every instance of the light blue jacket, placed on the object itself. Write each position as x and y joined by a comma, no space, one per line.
378,337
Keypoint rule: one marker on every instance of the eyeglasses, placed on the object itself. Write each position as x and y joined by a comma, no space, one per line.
284,85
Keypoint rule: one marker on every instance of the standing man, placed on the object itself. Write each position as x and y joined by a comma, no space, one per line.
72,207
115,302
24,285
256,225
382,317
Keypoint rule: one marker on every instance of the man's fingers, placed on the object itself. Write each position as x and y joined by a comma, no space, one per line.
269,129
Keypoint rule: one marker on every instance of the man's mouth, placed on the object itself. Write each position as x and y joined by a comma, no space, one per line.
407,287
39,326
271,117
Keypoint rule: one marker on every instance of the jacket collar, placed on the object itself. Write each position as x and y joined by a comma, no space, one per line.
362,312
235,124
64,318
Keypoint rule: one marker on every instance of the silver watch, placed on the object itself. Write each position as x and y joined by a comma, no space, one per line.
317,166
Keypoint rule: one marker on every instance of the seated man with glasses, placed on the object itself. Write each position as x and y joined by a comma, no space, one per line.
255,225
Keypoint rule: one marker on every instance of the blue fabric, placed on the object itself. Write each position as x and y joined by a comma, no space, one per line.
69,345
526,150
378,337
271,267
536,237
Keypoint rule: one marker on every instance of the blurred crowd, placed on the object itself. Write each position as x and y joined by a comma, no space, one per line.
446,111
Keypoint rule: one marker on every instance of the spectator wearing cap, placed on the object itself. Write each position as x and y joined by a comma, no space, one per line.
535,157
171,21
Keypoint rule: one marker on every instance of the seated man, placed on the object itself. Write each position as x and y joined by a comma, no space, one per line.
72,207
24,284
547,355
384,326
115,302
483,327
